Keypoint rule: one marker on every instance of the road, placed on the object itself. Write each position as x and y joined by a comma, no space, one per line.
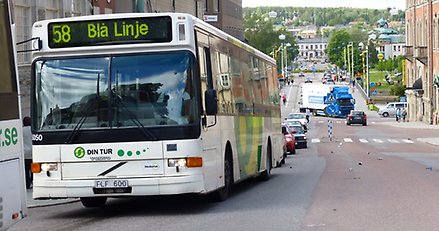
376,177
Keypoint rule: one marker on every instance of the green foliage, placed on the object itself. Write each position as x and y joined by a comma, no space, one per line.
326,16
260,33
338,41
398,90
393,64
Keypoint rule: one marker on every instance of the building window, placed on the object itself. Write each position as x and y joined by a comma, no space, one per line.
205,5
216,7
23,29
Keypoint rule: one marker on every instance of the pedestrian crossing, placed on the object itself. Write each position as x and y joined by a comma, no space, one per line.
334,121
371,141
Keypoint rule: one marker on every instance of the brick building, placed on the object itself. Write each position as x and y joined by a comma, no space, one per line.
422,60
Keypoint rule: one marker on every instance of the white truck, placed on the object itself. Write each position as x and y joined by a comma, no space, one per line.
329,100
312,97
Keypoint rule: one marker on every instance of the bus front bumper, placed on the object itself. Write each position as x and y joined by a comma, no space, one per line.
137,187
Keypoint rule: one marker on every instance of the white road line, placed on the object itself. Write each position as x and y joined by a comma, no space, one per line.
373,122
393,141
363,141
321,121
348,140
378,141
408,141
338,121
315,140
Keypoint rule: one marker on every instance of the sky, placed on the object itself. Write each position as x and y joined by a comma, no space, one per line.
372,4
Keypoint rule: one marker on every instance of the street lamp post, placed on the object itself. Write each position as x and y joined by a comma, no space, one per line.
282,38
371,37
351,59
286,59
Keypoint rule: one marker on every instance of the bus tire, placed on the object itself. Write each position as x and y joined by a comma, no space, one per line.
90,202
222,193
266,174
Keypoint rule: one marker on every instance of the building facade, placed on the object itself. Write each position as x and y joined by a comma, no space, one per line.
26,12
225,15
422,60
312,48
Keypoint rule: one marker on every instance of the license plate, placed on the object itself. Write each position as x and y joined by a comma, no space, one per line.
111,184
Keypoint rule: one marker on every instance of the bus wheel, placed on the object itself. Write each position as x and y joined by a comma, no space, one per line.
222,193
90,202
267,173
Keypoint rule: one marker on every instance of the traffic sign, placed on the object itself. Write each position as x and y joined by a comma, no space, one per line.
374,92
380,56
372,84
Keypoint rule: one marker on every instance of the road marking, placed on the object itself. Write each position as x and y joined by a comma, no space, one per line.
321,121
363,141
378,140
348,140
373,122
393,141
315,140
408,141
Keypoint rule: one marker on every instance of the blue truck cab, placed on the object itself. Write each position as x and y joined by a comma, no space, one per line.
340,102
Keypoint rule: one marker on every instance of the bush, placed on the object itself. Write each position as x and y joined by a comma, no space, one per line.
398,90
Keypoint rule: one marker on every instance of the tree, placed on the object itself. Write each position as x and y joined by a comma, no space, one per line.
260,33
338,41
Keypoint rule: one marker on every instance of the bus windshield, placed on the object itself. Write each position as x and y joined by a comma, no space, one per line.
116,91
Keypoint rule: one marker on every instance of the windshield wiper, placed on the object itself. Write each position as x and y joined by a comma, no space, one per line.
83,118
133,118
78,126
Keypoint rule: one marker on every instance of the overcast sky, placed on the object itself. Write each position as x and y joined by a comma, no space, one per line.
372,4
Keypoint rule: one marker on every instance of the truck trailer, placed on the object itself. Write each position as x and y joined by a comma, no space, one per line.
329,100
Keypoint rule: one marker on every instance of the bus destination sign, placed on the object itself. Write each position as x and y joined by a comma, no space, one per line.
110,32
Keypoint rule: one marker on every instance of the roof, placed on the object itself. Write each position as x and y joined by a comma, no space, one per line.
312,40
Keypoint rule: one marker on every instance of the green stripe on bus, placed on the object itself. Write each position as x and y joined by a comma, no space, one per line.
248,131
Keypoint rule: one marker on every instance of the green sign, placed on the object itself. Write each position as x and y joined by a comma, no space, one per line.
110,31
8,136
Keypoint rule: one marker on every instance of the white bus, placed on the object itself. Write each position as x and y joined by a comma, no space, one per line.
12,186
149,104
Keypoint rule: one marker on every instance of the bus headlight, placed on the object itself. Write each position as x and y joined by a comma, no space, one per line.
179,162
43,167
48,167
189,162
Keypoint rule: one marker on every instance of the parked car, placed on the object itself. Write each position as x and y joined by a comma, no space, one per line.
301,74
294,122
308,80
390,109
356,117
299,136
289,137
301,117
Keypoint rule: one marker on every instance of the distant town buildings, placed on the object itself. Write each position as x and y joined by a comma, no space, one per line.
312,48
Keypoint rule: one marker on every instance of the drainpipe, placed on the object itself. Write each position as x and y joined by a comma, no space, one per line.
430,60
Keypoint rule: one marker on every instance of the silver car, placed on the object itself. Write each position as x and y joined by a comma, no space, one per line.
301,117
390,109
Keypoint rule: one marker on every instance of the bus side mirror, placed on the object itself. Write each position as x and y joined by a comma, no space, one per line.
210,102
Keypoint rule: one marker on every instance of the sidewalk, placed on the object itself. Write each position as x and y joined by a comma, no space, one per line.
360,104
31,203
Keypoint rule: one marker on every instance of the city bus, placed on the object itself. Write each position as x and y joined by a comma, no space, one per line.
149,104
12,186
